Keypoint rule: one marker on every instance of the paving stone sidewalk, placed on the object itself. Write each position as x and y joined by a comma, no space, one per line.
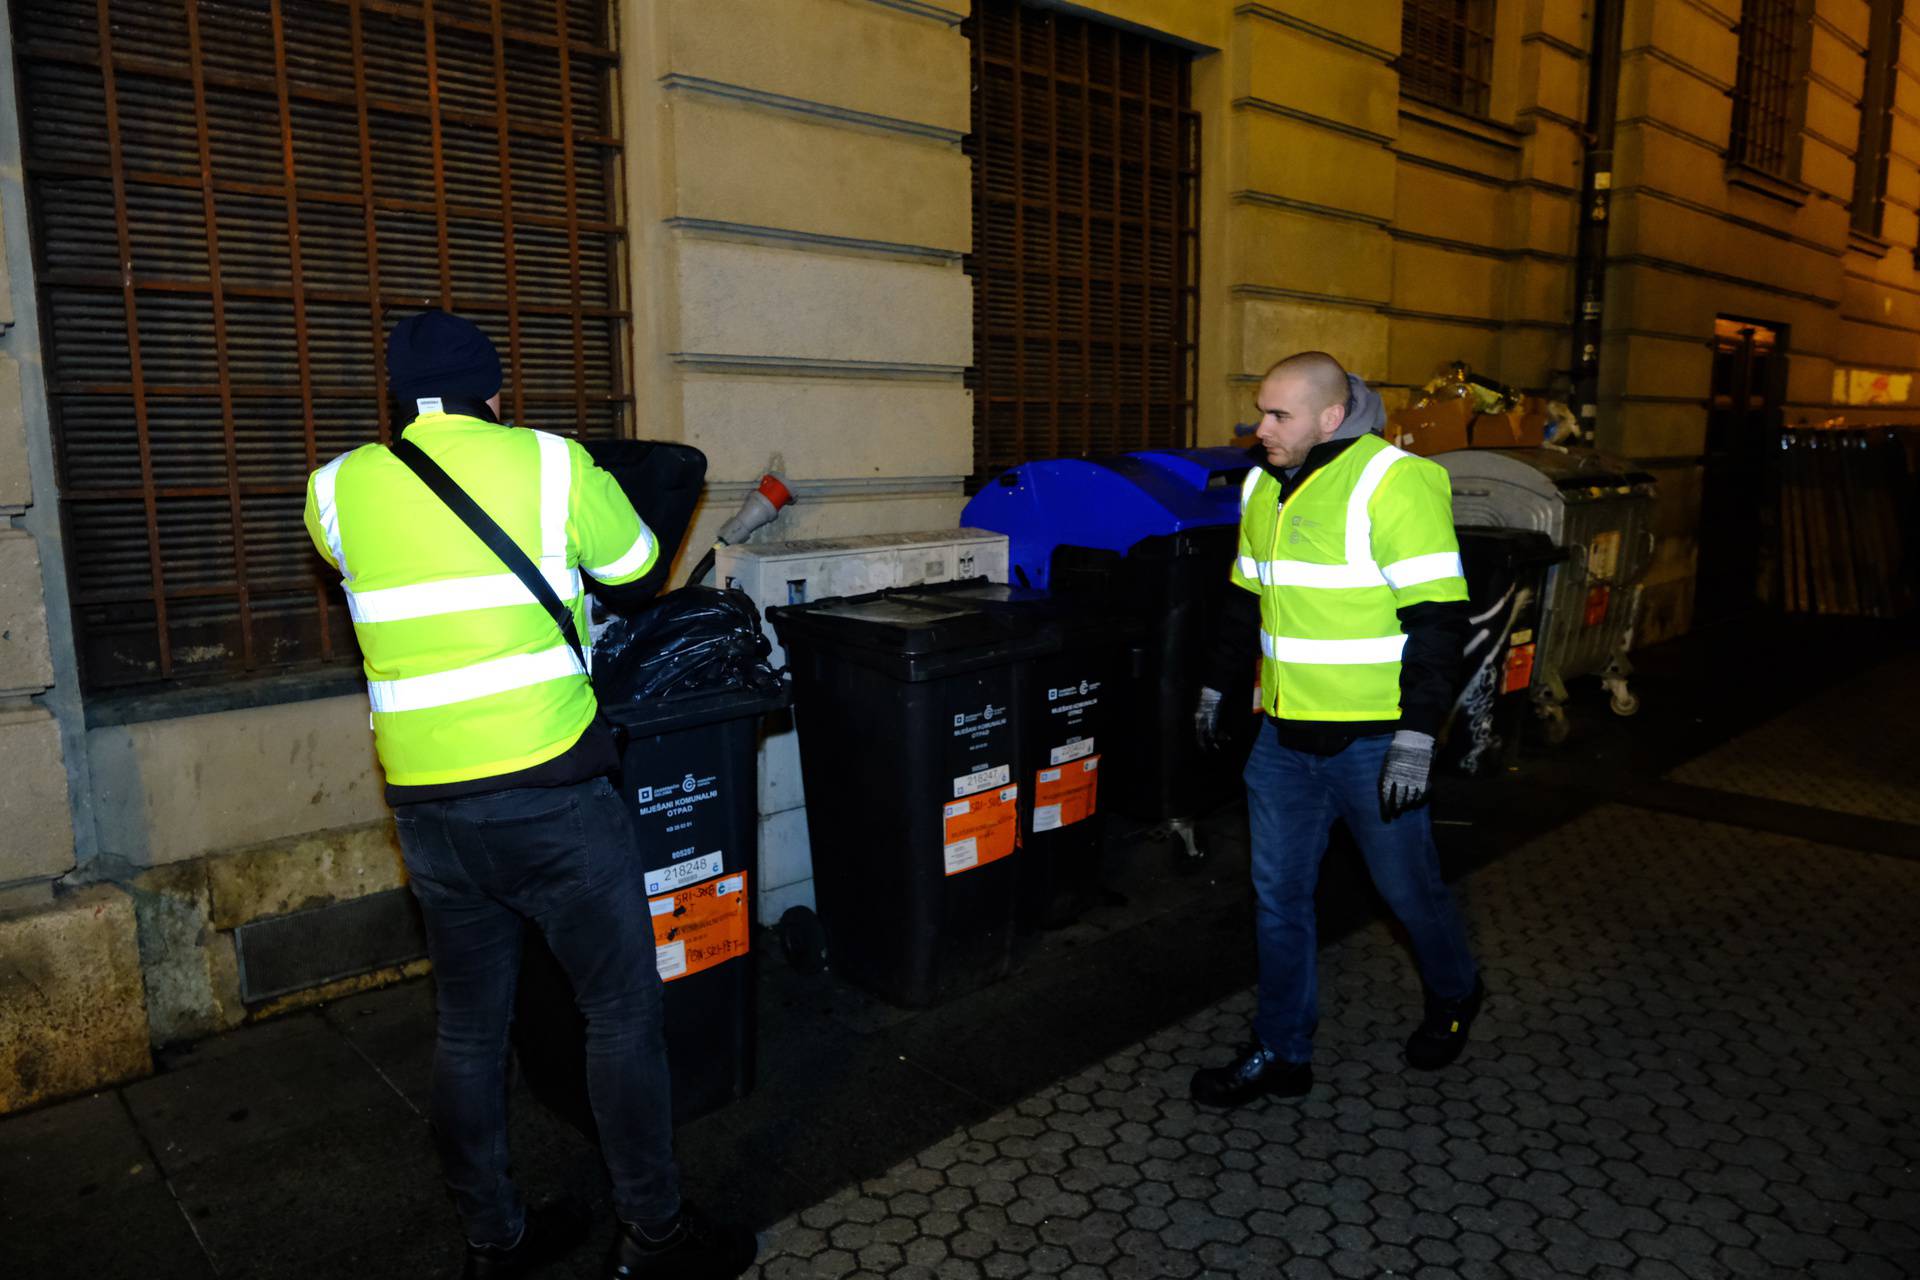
1699,1059
1852,749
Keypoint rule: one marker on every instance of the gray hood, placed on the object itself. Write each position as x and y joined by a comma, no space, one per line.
1365,414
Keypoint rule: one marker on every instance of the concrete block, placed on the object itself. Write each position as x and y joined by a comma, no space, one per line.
1830,59
1553,80
191,971
1451,206
167,789
785,850
1304,253
1543,221
1273,328
1531,357
767,169
1650,429
1700,35
1285,157
1293,69
780,785
36,825
828,427
72,1010
1565,21
1422,349
1657,90
1539,290
1495,157
751,301
303,871
1648,226
908,68
16,485
1827,168
26,663
1374,25
1447,282
1554,153
1649,366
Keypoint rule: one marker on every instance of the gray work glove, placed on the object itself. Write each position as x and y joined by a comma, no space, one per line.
1206,719
1404,775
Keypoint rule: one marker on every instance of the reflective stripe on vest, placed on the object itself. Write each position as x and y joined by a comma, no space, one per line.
462,684
1332,652
635,556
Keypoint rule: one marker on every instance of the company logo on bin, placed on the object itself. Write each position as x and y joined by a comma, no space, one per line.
1083,688
959,720
687,783
644,794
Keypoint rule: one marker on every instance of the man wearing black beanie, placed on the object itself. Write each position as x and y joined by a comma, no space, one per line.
497,769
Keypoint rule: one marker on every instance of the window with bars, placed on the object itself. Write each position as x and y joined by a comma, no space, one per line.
1446,52
283,179
1764,86
1876,116
1086,169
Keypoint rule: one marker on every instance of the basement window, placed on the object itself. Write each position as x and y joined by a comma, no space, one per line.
282,180
1446,53
1085,262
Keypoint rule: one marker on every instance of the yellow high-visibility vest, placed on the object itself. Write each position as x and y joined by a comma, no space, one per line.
1367,534
468,676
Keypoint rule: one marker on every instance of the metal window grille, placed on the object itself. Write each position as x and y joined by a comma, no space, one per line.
1763,85
1085,262
1876,116
1446,52
232,199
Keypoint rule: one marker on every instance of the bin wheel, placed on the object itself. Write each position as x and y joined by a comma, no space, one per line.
1554,724
1625,703
803,939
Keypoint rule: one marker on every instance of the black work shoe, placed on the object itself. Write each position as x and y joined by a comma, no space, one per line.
1257,1071
696,1249
553,1231
1442,1034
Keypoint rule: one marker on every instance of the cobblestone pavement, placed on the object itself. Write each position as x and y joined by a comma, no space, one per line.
1700,1058
1818,754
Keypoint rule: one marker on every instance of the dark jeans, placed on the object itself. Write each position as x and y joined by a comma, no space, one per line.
1292,799
565,859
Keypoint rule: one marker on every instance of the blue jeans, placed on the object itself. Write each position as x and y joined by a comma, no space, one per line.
1292,799
565,859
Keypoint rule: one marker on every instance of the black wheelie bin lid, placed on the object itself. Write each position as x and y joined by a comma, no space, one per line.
910,637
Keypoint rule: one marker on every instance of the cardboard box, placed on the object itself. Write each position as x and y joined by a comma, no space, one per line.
1439,427
1522,428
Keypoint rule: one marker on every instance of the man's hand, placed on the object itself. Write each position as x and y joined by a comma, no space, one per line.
1206,719
1404,775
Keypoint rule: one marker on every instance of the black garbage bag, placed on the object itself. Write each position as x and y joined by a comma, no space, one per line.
694,640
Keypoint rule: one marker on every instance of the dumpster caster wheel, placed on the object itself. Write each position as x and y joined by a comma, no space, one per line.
1553,723
804,940
1623,701
1188,848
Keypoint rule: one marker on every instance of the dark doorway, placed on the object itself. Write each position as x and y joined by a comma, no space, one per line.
1743,424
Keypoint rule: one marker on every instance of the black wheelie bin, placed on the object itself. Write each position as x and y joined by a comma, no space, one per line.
909,711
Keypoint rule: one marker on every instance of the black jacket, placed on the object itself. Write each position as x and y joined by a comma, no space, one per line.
1429,666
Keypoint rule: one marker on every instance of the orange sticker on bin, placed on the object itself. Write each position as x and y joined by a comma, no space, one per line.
700,926
979,828
1519,672
1066,795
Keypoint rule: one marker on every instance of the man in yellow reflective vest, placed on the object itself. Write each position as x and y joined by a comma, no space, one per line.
498,770
1352,581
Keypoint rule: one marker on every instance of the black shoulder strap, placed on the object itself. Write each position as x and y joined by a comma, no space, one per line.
484,527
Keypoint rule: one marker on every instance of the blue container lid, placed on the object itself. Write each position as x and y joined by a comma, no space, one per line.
1111,503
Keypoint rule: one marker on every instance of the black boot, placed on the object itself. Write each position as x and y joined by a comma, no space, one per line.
697,1248
1257,1071
552,1231
1442,1034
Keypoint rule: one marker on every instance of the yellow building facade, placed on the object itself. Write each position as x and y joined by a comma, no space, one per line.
798,220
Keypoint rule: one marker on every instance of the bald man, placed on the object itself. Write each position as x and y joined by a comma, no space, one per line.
1353,586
